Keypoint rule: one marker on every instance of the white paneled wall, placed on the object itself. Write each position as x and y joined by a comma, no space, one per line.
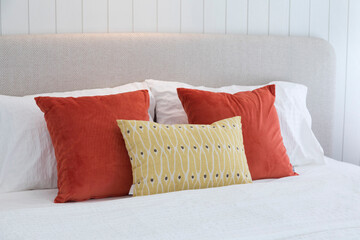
237,16
120,15
279,12
337,21
145,16
69,16
192,16
215,16
352,97
299,17
94,16
42,16
15,17
168,17
258,17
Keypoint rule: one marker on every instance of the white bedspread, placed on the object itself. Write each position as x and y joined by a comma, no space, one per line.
322,203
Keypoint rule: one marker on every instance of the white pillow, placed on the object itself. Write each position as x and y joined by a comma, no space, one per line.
295,121
27,159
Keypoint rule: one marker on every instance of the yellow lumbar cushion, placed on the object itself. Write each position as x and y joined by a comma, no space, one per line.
167,158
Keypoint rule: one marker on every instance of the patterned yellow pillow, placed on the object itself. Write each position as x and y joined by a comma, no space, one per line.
167,158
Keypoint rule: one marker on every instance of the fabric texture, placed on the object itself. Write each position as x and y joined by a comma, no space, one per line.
92,161
27,159
320,203
295,121
167,158
264,148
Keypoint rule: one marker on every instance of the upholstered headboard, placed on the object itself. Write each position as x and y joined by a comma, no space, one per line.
47,63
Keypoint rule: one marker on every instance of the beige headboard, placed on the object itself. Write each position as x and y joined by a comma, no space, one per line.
47,63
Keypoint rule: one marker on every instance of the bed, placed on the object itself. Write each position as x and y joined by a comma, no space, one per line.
320,203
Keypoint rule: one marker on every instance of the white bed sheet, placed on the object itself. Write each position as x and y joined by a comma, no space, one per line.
323,202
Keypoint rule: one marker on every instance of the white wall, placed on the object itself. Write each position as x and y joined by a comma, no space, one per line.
337,21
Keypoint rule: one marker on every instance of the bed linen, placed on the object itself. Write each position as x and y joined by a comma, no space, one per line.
291,106
321,203
27,159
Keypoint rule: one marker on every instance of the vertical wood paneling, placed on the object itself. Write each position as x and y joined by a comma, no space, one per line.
236,16
145,15
338,39
95,16
299,17
279,17
169,15
258,16
69,16
319,19
14,16
42,16
214,16
352,109
120,16
192,16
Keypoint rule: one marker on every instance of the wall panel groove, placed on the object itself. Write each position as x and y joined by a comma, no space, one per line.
319,19
82,16
0,21
42,16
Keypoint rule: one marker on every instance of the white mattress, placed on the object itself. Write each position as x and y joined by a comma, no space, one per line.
323,202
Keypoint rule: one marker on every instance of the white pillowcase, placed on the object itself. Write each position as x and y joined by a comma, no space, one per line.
295,121
27,159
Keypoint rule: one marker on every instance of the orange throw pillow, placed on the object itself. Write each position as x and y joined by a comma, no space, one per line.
92,160
264,147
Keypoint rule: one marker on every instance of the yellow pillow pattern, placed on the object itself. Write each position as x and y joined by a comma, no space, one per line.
167,158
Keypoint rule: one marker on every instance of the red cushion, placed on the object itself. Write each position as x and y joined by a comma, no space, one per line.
264,147
92,160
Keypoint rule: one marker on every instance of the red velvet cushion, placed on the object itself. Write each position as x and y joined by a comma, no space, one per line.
92,160
264,147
